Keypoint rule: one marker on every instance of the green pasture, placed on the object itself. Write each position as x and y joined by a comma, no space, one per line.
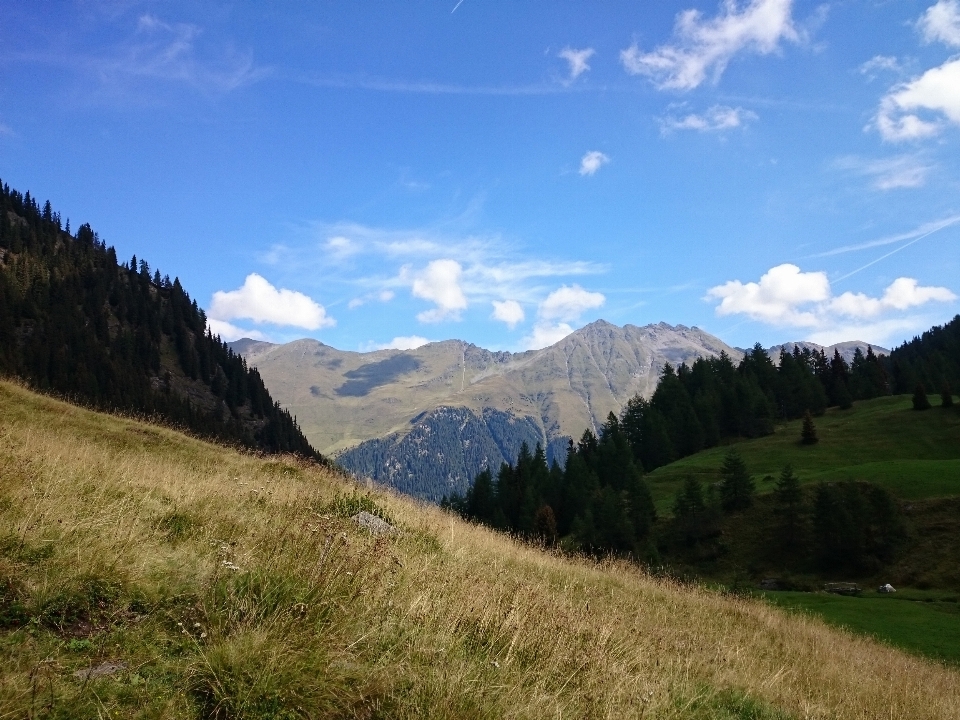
914,454
925,623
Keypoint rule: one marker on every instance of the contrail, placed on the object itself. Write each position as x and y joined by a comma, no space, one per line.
893,252
456,6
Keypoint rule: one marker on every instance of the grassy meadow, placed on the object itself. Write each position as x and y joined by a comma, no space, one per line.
145,574
884,441
927,623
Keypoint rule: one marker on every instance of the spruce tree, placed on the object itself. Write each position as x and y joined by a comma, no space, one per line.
946,396
808,435
920,401
736,487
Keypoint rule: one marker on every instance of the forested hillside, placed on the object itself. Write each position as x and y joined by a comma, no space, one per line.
595,504
440,455
75,322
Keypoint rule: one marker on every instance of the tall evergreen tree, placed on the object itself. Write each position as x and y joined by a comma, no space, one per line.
736,485
920,401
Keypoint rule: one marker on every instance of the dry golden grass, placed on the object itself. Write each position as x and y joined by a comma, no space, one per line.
237,587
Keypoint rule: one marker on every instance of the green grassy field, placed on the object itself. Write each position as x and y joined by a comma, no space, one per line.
914,454
927,623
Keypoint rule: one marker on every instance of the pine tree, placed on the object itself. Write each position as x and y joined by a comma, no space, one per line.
736,487
920,401
946,396
808,435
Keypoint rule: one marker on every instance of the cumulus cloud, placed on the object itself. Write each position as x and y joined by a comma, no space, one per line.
917,109
776,298
261,302
569,303
546,334
509,312
901,171
577,60
229,332
439,283
592,161
704,46
555,313
902,294
715,119
941,22
787,297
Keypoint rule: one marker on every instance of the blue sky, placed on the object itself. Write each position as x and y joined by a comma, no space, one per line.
376,175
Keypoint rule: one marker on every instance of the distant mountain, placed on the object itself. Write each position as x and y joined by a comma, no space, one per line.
846,349
390,413
75,322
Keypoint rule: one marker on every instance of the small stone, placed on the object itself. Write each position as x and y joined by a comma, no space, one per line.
373,524
107,668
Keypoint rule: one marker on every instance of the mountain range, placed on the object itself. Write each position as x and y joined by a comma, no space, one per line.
427,420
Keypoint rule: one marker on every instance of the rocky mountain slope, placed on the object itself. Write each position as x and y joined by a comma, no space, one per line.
386,412
427,420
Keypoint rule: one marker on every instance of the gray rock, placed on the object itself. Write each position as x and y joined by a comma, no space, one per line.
107,668
373,524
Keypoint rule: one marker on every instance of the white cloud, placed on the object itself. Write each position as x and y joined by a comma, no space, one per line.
159,51
701,46
787,297
260,301
592,161
439,283
508,311
577,60
567,304
879,63
900,171
409,342
776,298
229,333
715,119
382,296
914,110
545,335
557,311
341,247
941,22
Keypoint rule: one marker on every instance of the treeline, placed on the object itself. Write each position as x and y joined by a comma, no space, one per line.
713,400
76,322
930,361
597,502
847,526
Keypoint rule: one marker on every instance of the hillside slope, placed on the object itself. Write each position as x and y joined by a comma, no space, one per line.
75,321
144,574
914,454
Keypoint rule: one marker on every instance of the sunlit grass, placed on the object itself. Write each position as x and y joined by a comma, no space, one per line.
914,454
226,585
